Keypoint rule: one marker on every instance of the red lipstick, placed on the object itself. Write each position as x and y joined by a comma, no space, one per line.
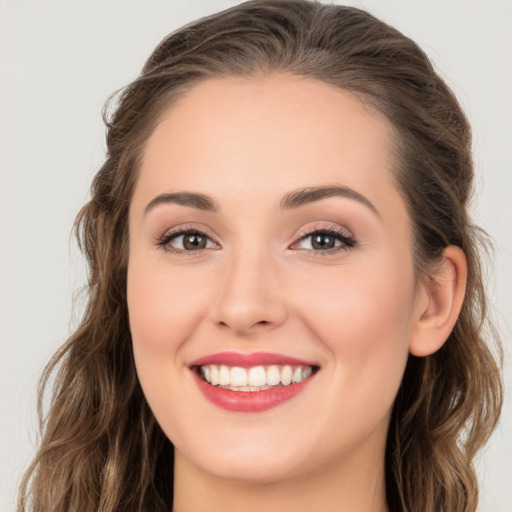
252,359
249,401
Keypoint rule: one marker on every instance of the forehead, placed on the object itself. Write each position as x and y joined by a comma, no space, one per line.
273,131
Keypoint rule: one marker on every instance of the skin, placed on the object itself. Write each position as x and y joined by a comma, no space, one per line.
258,286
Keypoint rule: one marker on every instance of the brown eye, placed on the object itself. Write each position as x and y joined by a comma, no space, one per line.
327,240
194,241
186,241
322,242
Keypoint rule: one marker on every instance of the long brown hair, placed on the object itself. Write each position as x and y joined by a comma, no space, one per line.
101,448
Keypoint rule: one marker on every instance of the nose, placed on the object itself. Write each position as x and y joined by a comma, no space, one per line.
251,295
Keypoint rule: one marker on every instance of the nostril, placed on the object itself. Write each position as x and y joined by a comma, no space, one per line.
242,329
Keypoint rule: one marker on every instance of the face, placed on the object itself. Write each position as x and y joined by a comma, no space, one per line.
270,254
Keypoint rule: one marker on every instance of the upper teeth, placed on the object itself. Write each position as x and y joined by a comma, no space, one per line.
255,378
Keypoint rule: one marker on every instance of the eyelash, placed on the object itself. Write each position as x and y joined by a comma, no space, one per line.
347,241
167,238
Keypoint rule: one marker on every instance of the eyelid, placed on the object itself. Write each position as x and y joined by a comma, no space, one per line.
324,227
181,230
343,235
348,240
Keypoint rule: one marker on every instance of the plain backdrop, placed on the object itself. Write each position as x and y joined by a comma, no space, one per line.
60,60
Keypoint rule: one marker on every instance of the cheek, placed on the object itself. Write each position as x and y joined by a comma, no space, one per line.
163,311
365,298
163,308
363,316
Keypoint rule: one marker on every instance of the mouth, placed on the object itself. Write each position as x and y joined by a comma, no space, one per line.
251,382
255,378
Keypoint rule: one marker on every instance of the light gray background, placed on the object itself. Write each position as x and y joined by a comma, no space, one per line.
59,62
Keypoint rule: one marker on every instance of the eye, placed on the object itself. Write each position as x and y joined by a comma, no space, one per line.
326,240
186,240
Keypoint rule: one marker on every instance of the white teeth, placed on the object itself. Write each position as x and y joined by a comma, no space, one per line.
297,375
256,378
249,388
286,375
214,372
306,372
238,377
224,376
273,376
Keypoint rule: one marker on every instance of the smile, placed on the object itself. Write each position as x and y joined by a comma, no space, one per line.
242,385
257,378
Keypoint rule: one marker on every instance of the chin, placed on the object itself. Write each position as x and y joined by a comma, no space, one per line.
255,471
250,461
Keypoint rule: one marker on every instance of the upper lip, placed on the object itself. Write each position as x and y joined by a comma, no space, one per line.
246,360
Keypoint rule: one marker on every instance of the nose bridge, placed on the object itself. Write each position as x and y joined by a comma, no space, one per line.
250,295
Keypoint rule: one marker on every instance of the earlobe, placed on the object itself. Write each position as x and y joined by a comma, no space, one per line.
439,303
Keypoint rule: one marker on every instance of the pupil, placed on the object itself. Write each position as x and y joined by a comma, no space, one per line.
194,242
323,242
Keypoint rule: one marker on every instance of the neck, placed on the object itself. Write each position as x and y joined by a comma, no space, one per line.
350,487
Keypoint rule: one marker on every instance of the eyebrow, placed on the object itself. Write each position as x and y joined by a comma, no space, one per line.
292,200
192,199
308,195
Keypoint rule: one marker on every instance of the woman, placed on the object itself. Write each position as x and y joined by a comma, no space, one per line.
285,295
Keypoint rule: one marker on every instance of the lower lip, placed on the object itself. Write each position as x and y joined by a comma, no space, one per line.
250,401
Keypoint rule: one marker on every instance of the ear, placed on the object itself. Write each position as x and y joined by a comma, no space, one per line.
439,303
